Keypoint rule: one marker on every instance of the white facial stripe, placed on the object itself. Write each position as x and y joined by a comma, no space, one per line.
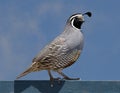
72,24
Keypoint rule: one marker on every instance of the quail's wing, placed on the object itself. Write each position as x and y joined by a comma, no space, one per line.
52,49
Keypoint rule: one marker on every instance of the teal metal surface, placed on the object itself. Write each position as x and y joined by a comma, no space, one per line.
43,86
6,87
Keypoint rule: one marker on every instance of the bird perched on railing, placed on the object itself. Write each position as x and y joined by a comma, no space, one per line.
63,51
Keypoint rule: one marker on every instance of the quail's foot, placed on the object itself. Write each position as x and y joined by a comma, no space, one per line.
66,77
54,79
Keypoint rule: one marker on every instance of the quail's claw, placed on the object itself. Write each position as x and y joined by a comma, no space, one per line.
58,79
68,78
54,79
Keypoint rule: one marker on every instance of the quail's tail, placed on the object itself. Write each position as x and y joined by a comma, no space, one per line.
25,73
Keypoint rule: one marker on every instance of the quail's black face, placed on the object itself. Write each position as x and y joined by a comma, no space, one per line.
77,23
76,20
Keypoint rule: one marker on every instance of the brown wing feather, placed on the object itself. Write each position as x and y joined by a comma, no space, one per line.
67,59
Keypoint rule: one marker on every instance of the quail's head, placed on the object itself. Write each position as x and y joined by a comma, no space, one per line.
77,19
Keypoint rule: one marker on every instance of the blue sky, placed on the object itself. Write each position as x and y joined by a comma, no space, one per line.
27,26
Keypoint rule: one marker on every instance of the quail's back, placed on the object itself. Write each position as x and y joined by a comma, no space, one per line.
63,51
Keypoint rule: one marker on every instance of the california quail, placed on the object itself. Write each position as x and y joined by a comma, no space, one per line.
63,51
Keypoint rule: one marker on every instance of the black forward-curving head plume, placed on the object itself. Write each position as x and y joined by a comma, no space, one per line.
88,13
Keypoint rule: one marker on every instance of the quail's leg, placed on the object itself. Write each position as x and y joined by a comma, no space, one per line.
66,77
52,78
